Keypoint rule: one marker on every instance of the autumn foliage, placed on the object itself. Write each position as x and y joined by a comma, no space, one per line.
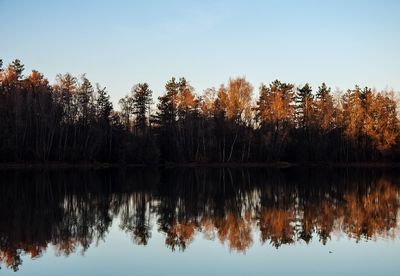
72,120
71,211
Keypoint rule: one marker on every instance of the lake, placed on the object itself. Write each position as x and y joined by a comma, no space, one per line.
198,221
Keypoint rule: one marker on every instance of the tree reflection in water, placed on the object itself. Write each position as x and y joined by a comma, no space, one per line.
72,210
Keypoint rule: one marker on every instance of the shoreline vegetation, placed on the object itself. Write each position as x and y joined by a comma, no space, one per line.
73,123
271,165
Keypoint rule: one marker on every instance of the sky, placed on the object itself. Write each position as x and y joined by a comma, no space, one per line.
121,43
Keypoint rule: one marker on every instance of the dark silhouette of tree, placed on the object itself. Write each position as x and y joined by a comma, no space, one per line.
72,210
126,105
166,118
104,108
324,108
326,121
305,119
103,104
141,146
234,108
304,106
74,121
142,99
18,68
86,118
276,117
167,106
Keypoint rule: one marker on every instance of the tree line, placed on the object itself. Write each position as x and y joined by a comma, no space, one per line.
74,210
73,120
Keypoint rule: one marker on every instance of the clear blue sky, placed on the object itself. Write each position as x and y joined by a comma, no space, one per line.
120,43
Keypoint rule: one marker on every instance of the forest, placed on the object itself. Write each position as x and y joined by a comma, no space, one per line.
74,120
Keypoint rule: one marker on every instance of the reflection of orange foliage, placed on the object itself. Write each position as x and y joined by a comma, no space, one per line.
207,227
65,247
236,230
325,219
180,235
276,225
371,214
360,212
11,256
34,250
185,232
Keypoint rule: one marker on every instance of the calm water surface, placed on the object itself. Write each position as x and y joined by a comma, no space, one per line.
200,222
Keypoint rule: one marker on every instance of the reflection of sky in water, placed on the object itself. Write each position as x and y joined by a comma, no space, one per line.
118,255
212,218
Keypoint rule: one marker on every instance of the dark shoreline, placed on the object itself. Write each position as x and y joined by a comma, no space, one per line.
278,165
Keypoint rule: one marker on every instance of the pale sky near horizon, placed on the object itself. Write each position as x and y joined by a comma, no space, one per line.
121,43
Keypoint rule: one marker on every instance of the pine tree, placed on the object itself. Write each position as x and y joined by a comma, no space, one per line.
167,106
275,116
103,104
66,87
142,99
324,108
18,68
353,112
304,106
275,105
85,101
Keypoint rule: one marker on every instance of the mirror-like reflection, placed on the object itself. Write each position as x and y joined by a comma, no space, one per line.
74,210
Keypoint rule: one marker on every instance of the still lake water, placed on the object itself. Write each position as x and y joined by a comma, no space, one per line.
200,222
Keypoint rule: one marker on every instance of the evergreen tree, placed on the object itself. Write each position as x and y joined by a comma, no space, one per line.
275,116
71,121
142,99
103,104
324,107
85,101
353,112
304,106
18,68
167,106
